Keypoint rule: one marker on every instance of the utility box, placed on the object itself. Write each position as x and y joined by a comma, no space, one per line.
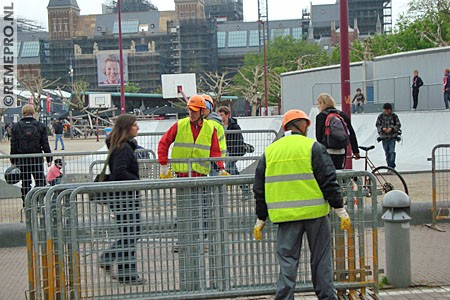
397,217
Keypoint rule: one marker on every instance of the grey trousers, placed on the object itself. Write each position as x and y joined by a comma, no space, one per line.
289,244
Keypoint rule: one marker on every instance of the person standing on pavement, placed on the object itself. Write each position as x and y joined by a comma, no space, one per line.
29,136
123,165
327,105
295,185
216,121
446,88
388,127
234,140
358,107
416,84
193,137
58,129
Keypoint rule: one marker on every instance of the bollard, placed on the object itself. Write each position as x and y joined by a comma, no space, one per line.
397,216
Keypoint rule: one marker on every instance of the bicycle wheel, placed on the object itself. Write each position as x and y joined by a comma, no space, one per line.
389,179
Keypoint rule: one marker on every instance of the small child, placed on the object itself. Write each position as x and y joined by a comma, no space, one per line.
54,173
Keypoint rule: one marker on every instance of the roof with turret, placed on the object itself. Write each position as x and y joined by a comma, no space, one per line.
62,3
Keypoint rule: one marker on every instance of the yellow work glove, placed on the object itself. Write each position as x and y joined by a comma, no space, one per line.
165,172
224,173
345,219
257,230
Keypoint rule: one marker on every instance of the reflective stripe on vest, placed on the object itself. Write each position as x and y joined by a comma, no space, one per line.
220,136
292,193
185,147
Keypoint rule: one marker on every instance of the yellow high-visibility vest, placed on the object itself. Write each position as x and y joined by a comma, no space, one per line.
221,136
292,193
185,147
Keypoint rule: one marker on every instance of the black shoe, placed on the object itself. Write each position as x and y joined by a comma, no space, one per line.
62,149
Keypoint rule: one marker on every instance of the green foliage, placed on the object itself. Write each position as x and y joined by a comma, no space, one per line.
132,87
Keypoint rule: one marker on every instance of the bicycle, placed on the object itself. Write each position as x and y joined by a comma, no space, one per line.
387,178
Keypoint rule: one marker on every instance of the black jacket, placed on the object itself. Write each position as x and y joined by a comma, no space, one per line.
417,82
58,128
42,146
320,128
235,141
123,163
324,173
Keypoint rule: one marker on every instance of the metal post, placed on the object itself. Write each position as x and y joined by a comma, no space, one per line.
122,86
345,66
266,97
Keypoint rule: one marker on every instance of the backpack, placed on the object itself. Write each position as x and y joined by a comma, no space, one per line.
336,131
29,137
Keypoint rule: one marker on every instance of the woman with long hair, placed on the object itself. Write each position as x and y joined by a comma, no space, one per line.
123,165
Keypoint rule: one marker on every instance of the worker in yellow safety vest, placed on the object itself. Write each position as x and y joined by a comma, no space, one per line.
295,185
192,137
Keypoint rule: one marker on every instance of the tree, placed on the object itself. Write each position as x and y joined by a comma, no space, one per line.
78,98
217,83
249,83
36,86
132,87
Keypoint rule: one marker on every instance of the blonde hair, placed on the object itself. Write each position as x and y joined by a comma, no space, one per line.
28,110
326,100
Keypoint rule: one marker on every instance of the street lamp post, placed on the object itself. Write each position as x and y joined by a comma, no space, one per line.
122,86
266,97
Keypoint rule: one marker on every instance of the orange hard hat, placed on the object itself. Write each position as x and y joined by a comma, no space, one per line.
209,99
196,103
294,114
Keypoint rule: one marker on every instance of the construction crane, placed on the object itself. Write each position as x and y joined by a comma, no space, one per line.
263,20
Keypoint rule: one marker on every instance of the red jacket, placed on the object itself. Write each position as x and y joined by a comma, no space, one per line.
169,137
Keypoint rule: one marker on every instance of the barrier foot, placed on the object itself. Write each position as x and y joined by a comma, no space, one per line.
435,227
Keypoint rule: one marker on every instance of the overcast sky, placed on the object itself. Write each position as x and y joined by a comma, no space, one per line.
278,9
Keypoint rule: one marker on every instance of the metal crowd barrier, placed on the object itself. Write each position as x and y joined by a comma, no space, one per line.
440,172
188,238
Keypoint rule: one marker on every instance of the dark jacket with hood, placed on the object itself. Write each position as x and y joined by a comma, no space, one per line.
123,164
324,173
320,128
235,141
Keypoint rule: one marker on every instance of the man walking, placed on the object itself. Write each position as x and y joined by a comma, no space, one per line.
29,136
58,129
388,126
295,184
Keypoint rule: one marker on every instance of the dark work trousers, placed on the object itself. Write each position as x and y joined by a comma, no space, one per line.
289,244
415,95
31,166
126,208
338,160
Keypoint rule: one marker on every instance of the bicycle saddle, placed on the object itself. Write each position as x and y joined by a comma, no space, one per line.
367,148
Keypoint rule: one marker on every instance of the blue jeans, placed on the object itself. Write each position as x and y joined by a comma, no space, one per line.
389,151
232,168
60,138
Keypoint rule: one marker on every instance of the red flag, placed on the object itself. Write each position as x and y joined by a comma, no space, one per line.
48,103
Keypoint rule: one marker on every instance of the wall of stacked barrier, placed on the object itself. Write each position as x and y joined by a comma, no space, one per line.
193,239
440,160
83,166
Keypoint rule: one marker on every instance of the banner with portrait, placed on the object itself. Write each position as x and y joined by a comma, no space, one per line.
108,69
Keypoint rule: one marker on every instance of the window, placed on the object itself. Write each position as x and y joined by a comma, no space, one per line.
17,48
127,26
254,38
30,49
221,39
297,33
280,32
237,39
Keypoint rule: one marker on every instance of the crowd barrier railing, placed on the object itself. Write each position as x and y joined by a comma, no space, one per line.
187,238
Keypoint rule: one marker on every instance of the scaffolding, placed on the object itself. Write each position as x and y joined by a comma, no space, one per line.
367,12
225,10
110,6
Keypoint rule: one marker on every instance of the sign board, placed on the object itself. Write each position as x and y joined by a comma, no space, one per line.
172,84
100,100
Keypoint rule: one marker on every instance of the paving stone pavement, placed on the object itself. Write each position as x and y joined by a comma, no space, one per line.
430,258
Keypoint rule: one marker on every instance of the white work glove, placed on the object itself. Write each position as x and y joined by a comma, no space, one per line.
224,173
165,172
345,218
257,230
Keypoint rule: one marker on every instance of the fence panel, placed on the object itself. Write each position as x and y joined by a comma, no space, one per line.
187,238
440,183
